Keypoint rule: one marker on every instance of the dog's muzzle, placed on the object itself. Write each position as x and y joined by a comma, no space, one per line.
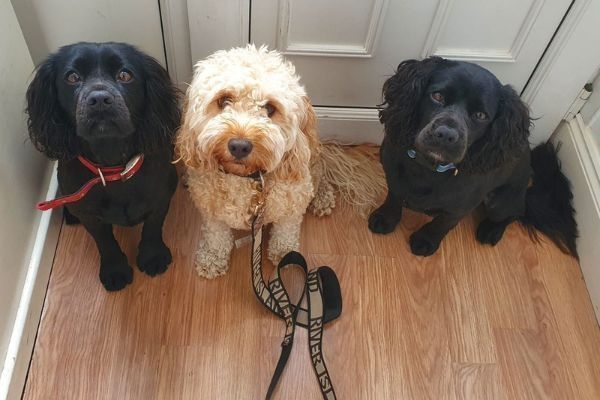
443,140
239,148
101,110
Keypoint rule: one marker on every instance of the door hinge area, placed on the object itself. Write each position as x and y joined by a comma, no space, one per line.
579,102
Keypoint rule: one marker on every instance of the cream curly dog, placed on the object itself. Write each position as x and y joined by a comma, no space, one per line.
246,112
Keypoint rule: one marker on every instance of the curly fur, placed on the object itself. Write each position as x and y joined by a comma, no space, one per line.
159,123
401,90
549,200
448,111
52,130
507,139
108,121
508,133
230,97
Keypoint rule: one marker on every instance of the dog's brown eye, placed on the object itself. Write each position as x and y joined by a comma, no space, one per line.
124,76
73,77
437,97
480,115
224,102
270,108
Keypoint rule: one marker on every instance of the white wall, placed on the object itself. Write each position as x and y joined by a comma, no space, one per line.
29,31
23,173
49,24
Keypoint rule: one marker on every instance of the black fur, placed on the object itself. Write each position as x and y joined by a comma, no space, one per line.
549,207
79,103
459,113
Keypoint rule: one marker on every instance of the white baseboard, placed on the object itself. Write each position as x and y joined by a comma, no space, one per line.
349,125
580,162
22,339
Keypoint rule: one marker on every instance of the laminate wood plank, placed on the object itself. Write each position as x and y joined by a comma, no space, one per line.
470,322
478,381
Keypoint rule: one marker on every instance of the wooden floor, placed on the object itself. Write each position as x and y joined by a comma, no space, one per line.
471,322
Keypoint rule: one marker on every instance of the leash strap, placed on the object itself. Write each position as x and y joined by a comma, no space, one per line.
103,175
324,303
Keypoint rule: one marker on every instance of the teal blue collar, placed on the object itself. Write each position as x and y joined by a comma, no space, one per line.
424,162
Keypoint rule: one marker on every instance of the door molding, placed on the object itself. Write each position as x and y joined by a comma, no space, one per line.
176,36
562,71
567,65
327,50
510,55
349,125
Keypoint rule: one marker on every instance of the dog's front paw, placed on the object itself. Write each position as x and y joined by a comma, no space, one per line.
211,263
489,232
381,223
279,247
115,275
422,245
154,259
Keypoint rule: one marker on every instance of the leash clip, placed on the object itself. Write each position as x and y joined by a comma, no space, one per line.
257,203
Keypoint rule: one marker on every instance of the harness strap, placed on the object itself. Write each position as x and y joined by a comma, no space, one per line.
320,309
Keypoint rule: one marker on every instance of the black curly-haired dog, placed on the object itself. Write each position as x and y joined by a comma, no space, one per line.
455,138
107,105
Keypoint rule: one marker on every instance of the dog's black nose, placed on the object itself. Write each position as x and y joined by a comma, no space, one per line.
100,100
239,148
446,134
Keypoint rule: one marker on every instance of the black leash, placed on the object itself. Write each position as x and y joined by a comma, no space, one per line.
324,299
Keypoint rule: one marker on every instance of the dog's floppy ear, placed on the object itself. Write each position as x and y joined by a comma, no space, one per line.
403,91
506,138
185,140
161,115
308,126
50,129
306,149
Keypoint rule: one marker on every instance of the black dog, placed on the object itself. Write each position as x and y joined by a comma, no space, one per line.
106,104
456,138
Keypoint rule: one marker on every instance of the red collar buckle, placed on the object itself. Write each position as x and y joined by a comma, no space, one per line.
132,167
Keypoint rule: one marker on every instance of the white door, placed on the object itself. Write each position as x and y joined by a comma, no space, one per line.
344,50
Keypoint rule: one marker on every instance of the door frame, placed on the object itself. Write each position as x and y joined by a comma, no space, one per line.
563,70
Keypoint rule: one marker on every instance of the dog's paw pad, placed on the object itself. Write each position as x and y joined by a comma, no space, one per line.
489,232
154,260
156,265
421,245
116,278
379,223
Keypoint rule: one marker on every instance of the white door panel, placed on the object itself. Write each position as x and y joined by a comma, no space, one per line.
345,50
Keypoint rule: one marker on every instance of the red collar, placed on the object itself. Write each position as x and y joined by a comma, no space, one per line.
103,175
